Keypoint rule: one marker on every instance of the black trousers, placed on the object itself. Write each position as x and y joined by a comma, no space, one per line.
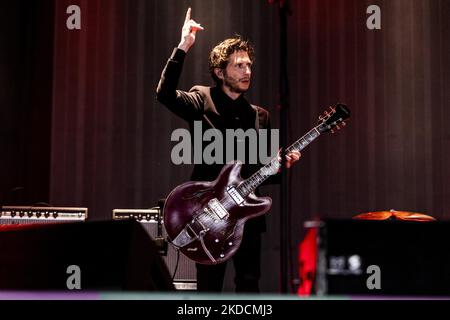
247,265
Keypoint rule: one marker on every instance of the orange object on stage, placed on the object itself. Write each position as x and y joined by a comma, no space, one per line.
394,215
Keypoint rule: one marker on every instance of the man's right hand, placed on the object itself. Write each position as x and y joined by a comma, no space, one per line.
188,32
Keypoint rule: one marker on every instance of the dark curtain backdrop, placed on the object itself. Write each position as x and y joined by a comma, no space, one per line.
111,139
26,57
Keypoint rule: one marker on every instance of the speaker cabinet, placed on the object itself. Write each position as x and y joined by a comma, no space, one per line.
181,268
110,255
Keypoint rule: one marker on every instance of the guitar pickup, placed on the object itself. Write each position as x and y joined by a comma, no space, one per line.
235,195
216,207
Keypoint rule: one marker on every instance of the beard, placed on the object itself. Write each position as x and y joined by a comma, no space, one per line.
237,85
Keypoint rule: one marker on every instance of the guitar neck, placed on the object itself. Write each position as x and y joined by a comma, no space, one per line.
249,185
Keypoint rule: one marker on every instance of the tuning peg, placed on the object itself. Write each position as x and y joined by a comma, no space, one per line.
331,128
324,116
344,124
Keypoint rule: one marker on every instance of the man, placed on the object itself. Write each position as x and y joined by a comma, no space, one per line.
221,107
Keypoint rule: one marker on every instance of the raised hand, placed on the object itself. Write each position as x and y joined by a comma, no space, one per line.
188,32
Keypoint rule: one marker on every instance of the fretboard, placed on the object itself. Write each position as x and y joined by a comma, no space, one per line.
249,185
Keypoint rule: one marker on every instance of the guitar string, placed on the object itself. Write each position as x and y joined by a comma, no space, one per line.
259,178
298,145
227,202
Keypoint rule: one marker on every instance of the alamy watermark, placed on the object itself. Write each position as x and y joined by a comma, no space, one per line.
374,20
374,280
213,147
73,281
73,21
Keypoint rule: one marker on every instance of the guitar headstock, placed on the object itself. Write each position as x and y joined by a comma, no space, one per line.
334,118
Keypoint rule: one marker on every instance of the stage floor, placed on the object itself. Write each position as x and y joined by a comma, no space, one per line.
186,296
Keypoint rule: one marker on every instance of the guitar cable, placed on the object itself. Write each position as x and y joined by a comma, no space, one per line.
161,203
176,264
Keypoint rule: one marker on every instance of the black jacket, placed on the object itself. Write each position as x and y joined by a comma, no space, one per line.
215,110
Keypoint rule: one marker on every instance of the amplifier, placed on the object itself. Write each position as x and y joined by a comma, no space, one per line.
375,257
28,215
181,268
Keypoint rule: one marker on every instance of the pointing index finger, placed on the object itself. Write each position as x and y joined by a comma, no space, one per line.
188,15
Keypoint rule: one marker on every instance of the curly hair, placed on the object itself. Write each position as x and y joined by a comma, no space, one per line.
219,55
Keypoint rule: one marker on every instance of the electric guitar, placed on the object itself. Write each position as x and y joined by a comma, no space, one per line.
205,220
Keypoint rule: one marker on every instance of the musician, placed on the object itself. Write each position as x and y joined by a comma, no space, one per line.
220,107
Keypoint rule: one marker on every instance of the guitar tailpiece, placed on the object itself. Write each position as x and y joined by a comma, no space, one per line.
202,233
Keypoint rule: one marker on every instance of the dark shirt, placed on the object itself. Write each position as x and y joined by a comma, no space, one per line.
215,110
